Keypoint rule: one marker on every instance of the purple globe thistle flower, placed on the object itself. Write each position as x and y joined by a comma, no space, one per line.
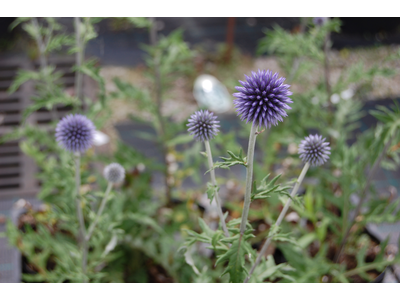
75,133
262,99
315,150
114,173
203,125
319,21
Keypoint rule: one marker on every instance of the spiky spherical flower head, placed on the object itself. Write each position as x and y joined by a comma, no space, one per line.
114,173
314,149
203,125
262,99
319,21
75,133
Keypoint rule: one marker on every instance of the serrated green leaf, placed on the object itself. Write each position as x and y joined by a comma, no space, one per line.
230,161
266,189
207,230
235,257
216,238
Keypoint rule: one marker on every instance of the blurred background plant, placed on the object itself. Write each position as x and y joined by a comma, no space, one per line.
130,243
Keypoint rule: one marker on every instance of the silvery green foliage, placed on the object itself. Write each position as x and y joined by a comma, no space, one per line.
298,54
114,173
346,175
131,230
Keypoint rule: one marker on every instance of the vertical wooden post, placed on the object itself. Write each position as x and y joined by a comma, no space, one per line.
230,30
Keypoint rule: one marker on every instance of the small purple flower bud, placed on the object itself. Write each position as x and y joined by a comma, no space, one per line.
203,125
114,173
262,99
315,150
75,133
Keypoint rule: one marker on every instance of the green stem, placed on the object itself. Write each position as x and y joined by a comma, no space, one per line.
82,229
214,182
42,57
327,70
160,119
91,229
249,179
367,268
100,211
280,218
40,44
79,59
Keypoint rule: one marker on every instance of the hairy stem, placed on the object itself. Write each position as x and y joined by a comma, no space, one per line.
40,44
100,211
214,182
82,229
295,67
85,247
158,91
42,56
79,59
367,268
327,71
280,218
298,60
249,178
363,194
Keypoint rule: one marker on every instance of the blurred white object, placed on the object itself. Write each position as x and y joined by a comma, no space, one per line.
141,167
335,98
100,138
211,209
292,148
314,100
292,217
211,93
347,94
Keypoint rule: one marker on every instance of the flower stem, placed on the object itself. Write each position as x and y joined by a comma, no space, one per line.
42,45
79,59
280,218
100,211
327,70
158,111
367,268
214,182
249,179
82,229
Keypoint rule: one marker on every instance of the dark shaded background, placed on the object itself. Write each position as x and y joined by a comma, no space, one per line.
122,46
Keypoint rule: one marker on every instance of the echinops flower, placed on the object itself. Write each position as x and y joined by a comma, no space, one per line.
315,150
203,125
319,21
262,99
114,173
75,133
